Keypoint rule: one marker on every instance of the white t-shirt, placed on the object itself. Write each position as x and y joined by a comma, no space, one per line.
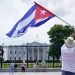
68,58
43,63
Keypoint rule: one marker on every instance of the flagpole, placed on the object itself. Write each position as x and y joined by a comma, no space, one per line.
63,20
54,14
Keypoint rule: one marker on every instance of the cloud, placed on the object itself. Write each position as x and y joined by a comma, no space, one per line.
12,10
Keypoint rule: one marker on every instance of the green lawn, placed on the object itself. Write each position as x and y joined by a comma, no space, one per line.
48,65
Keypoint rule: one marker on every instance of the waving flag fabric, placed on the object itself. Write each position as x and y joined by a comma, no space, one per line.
36,16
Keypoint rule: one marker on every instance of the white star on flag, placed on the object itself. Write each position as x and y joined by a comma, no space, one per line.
43,12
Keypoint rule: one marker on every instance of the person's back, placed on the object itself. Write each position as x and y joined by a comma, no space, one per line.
68,57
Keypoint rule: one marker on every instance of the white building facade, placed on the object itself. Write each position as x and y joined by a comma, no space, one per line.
36,51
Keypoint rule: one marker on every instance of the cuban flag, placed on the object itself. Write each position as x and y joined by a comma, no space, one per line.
36,16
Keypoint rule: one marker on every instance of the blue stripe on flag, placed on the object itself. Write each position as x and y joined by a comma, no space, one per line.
28,13
40,23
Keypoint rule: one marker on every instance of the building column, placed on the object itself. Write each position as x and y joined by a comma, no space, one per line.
19,53
26,53
38,52
14,53
43,53
32,53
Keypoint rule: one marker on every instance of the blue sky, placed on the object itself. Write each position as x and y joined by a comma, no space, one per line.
12,10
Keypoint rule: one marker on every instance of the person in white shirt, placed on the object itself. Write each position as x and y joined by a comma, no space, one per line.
68,57
44,65
23,67
35,66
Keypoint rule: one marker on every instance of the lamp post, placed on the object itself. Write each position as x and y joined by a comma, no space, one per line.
1,55
27,55
1,61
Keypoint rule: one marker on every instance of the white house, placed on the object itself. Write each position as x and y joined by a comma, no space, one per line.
36,51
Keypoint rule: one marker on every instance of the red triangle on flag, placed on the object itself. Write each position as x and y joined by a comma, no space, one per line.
41,13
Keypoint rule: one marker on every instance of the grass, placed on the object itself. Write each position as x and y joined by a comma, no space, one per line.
30,65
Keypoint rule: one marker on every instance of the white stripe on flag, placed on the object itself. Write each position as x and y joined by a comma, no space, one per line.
23,24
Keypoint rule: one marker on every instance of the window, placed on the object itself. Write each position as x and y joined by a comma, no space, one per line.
10,58
19,58
15,58
10,52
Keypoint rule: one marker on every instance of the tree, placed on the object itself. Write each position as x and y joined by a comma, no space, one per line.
57,34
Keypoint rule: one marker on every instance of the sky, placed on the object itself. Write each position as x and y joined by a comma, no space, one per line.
12,11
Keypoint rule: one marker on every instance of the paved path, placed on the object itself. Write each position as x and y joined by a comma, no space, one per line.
31,73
